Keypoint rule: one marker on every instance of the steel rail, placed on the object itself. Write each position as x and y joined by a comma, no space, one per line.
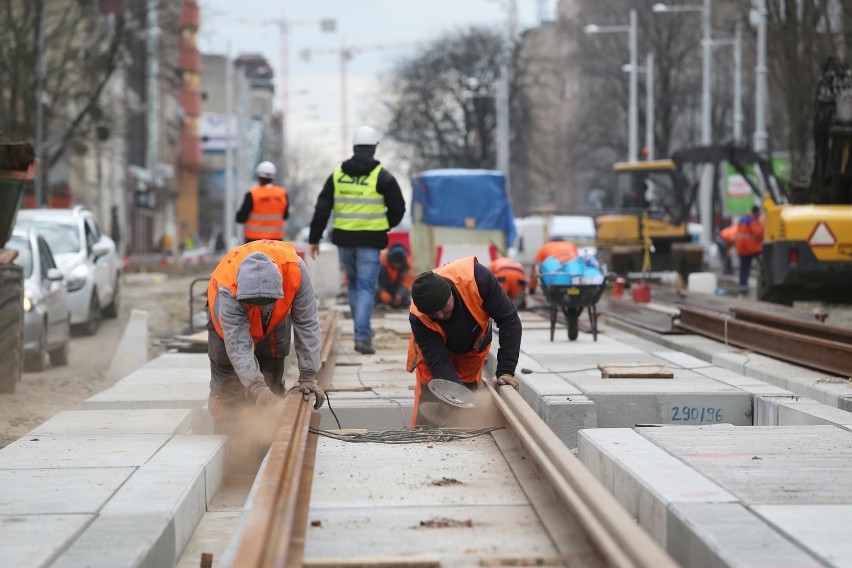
621,542
812,328
270,537
816,352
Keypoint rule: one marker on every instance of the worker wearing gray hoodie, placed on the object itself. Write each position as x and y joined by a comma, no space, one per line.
257,294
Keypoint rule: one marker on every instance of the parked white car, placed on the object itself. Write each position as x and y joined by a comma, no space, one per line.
88,259
47,329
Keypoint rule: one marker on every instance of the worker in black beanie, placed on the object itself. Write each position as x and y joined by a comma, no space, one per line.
451,312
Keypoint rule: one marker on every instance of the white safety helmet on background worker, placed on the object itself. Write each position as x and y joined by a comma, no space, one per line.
365,136
265,170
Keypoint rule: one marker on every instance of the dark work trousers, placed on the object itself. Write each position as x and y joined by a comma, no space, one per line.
745,270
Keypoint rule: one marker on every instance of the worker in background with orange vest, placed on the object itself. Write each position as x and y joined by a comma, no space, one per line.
265,207
562,250
395,277
724,241
451,312
749,244
512,278
257,293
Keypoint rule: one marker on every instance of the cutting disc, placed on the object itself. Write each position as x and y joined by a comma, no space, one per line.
437,413
452,393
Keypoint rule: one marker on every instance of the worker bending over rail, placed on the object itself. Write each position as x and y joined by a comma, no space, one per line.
395,277
451,312
512,278
256,294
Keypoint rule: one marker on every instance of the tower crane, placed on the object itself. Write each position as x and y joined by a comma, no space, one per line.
344,54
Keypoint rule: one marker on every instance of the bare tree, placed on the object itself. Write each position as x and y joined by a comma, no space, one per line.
441,102
85,42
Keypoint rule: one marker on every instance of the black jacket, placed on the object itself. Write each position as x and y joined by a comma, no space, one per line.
360,164
461,329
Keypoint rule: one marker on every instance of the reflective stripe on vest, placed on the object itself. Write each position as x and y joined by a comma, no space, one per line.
266,219
225,274
358,206
460,273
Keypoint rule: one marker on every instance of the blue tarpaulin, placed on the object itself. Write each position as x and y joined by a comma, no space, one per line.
472,199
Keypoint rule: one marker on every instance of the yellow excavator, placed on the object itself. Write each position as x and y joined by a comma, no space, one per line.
652,203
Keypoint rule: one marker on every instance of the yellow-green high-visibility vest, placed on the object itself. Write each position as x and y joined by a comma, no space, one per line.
358,206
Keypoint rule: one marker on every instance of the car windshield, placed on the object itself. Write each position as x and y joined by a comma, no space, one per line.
62,237
25,254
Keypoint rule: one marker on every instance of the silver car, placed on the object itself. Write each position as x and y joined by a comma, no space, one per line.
47,329
88,259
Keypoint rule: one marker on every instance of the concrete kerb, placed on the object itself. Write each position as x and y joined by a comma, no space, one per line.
834,391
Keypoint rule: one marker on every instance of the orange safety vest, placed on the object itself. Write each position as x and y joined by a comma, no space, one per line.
510,274
266,219
460,273
562,250
749,239
394,272
729,234
467,365
225,274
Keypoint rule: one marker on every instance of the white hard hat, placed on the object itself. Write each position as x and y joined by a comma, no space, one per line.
265,170
365,136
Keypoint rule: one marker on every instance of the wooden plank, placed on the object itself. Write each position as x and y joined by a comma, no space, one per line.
635,371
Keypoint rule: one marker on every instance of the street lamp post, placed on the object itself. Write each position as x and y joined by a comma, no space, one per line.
633,103
736,43
648,70
705,193
760,92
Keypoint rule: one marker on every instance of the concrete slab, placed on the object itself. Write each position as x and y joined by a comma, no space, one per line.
714,535
567,415
456,536
94,450
66,491
153,421
456,500
765,464
688,398
33,541
682,360
155,395
179,361
368,412
537,343
798,411
141,540
645,479
151,519
171,376
821,529
476,466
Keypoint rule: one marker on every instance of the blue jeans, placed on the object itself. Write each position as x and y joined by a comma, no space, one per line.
361,265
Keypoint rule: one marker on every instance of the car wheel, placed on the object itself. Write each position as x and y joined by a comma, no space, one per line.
92,326
37,362
111,311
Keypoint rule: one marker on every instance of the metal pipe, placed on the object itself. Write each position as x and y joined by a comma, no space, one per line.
705,201
760,91
649,106
633,110
228,226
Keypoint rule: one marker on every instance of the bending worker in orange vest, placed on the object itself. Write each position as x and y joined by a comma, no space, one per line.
265,207
256,294
512,278
451,312
562,250
749,244
395,277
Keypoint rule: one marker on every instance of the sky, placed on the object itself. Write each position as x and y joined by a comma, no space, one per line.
252,26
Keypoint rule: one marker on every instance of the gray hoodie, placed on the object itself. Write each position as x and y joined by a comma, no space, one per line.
259,277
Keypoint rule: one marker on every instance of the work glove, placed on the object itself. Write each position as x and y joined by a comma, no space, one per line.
261,394
307,387
507,379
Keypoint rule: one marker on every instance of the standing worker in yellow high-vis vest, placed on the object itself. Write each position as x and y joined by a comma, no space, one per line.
367,203
265,207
